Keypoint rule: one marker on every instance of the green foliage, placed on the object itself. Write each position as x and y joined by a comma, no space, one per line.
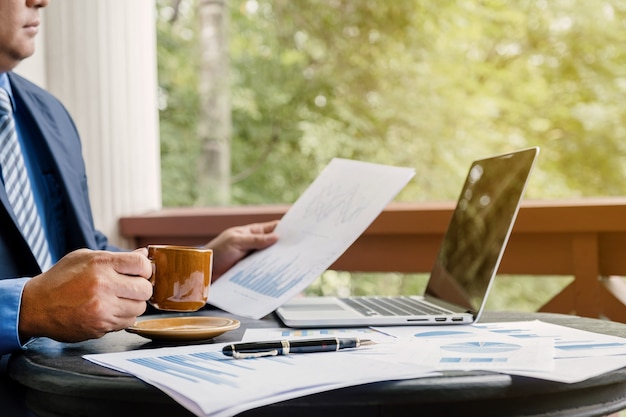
341,283
415,83
524,292
427,84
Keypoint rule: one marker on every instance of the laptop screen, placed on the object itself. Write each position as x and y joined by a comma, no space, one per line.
479,230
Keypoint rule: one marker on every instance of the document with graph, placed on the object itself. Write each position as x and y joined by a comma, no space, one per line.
328,217
208,383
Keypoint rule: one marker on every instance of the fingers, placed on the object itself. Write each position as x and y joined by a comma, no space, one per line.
130,282
127,312
266,227
261,241
122,274
260,236
142,251
107,316
237,242
133,263
241,239
133,288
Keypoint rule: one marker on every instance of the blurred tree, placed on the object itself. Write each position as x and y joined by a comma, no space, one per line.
214,125
415,83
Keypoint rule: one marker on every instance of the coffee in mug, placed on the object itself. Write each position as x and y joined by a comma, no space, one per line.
181,276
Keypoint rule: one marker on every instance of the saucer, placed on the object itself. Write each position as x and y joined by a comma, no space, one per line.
192,328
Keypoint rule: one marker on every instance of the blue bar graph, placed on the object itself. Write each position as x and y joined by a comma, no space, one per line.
271,277
205,367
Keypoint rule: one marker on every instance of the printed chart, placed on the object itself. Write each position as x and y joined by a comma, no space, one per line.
207,382
480,347
567,344
327,218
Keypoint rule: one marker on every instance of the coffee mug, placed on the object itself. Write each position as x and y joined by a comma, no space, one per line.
181,276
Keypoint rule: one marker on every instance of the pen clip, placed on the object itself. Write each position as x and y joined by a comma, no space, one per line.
239,355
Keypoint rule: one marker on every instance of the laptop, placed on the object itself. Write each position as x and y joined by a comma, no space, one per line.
464,269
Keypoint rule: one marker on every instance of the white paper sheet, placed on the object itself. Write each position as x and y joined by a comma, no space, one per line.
487,353
578,354
568,342
476,351
208,383
329,216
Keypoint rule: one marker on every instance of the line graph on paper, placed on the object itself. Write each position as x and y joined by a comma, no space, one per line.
341,204
345,195
327,218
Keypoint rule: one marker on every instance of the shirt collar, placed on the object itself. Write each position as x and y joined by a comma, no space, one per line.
5,84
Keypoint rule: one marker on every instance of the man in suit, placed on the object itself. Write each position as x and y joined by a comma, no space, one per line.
92,288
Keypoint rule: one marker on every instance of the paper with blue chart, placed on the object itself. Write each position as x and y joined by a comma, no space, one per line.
467,348
208,383
577,355
328,217
438,347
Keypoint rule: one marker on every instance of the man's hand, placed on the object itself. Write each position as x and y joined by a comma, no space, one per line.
233,244
86,295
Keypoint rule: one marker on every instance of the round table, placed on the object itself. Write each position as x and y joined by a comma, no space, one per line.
59,382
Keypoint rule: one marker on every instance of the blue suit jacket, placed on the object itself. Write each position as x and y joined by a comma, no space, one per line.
63,148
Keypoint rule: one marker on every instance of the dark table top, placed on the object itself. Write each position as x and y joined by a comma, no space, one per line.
61,383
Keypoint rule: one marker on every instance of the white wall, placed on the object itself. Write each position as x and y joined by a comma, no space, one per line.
99,59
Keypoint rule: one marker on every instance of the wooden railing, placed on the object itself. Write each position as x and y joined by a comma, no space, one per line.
583,238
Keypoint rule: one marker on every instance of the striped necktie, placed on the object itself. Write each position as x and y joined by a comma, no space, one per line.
17,185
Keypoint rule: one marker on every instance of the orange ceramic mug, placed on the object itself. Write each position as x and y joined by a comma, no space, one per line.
181,276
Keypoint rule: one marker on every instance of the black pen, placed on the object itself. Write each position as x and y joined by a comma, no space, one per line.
285,347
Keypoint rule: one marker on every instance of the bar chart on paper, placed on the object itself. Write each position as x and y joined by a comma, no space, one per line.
194,372
325,211
271,277
207,382
327,218
204,367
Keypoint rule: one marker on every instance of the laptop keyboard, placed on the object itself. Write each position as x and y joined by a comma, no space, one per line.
391,306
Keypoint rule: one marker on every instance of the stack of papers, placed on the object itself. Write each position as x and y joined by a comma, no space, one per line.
531,348
208,383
